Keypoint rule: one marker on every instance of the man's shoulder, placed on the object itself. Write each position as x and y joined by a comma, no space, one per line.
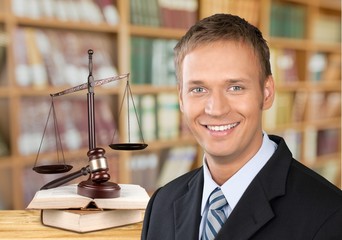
307,183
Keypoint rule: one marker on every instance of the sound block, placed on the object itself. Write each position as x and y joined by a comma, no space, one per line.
98,190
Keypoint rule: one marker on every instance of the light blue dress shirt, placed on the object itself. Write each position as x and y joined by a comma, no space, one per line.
235,186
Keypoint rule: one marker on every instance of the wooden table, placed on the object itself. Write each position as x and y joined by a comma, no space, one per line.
25,224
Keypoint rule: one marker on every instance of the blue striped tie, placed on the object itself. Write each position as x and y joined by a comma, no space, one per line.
216,216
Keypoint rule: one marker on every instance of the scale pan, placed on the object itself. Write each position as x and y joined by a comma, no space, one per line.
51,169
128,146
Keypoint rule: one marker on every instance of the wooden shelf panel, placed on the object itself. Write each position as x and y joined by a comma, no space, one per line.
55,24
46,91
156,32
330,4
147,89
300,126
309,86
304,44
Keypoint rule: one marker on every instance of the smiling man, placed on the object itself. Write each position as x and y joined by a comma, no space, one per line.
249,186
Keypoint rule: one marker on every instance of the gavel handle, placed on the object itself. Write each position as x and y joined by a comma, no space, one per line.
67,178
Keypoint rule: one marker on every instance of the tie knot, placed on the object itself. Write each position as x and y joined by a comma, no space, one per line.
217,199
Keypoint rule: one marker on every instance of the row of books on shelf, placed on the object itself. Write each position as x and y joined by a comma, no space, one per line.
162,13
154,170
248,9
152,61
311,143
90,11
321,66
290,20
324,67
46,124
53,57
327,28
302,106
284,64
287,20
318,149
159,117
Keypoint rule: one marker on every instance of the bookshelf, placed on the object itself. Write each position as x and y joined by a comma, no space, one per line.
298,123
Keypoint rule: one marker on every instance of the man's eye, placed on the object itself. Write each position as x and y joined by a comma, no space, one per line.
198,90
236,88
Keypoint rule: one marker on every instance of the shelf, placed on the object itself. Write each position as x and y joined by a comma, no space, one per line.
304,44
55,24
148,89
156,32
308,86
46,91
300,126
330,4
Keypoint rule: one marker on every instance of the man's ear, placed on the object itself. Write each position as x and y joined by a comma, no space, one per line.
269,93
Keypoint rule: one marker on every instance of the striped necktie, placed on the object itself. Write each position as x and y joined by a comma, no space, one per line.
216,216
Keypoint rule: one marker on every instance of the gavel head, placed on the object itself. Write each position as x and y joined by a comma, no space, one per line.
98,165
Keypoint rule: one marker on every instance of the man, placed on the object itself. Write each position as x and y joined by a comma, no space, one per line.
225,83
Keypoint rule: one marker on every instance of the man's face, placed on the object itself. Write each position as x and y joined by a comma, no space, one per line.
222,100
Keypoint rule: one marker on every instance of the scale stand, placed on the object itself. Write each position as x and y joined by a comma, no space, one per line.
98,184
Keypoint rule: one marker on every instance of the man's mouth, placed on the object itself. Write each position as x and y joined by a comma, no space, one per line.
220,128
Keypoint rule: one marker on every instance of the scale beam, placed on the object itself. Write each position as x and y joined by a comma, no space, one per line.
85,85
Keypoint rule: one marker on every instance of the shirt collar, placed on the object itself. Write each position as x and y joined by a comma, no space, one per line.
234,187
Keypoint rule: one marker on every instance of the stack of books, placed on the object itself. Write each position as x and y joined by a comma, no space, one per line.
63,208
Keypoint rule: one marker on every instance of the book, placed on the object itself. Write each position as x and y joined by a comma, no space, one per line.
178,161
287,20
89,220
109,11
300,103
310,145
148,117
144,170
168,116
327,28
22,69
327,141
65,197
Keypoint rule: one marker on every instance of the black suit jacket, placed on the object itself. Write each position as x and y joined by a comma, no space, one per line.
286,200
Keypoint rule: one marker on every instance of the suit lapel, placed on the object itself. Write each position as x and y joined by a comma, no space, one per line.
187,209
251,213
254,209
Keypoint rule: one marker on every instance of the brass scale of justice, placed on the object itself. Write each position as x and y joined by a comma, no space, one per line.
98,184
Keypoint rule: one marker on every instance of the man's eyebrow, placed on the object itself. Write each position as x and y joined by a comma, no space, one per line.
227,81
235,80
195,82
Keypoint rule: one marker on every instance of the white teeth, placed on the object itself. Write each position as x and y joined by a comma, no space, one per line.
222,127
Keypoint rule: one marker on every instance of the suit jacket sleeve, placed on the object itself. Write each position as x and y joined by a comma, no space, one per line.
147,216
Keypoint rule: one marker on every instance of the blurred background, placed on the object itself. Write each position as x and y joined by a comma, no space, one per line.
43,50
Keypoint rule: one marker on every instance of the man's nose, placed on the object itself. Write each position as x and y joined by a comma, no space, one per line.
217,104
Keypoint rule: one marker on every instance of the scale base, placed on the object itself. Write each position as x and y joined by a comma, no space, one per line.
98,190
